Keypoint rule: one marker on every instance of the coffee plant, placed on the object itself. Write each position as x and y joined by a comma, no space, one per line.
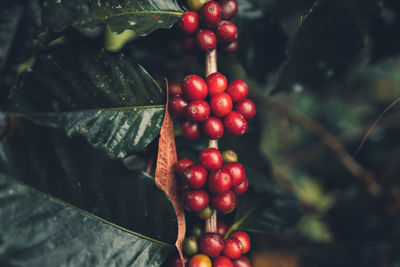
199,133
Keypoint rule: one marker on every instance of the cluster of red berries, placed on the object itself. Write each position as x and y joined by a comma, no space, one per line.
227,252
220,176
212,105
214,18
214,108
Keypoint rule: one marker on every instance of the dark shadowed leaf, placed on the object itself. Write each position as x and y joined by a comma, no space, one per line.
261,49
19,22
9,19
69,169
141,16
107,98
150,53
38,230
330,39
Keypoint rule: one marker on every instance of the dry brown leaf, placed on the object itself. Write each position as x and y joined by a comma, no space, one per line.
165,175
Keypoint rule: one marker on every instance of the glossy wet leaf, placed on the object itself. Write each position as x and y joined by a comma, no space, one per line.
140,15
105,97
69,169
38,230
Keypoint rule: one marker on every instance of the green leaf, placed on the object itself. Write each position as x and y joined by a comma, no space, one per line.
38,230
141,16
105,97
69,169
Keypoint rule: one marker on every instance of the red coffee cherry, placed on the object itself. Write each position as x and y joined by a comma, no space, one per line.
176,261
226,32
210,158
194,87
222,261
200,260
174,89
244,239
241,188
246,107
242,261
230,49
225,202
232,248
238,90
219,181
217,83
211,244
206,40
222,227
181,165
177,106
195,176
229,8
237,172
197,111
189,44
210,14
213,128
190,130
221,104
235,123
189,22
195,200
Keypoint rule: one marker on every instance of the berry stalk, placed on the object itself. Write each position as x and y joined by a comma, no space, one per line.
211,67
211,62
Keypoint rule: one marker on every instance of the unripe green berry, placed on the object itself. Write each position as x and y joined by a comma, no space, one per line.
190,246
206,213
195,5
229,156
196,231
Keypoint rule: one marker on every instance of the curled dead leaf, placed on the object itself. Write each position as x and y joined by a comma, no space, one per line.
165,175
